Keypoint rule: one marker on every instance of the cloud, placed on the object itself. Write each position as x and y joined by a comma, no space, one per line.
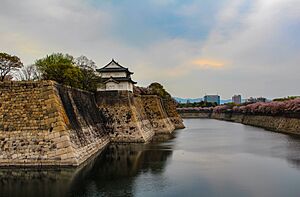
207,64
192,47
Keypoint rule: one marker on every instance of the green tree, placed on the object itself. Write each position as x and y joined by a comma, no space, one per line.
60,68
8,63
158,89
89,79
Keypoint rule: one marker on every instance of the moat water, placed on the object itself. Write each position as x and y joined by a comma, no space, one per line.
208,158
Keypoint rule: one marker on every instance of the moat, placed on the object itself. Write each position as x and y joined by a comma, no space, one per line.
207,158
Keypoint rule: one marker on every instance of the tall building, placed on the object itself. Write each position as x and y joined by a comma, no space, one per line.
212,99
237,99
115,77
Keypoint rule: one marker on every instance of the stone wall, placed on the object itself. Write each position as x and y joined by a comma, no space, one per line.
125,115
135,118
272,123
195,114
45,124
85,122
281,124
157,115
170,107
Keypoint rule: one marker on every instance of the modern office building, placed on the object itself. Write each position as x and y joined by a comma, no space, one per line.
212,99
237,99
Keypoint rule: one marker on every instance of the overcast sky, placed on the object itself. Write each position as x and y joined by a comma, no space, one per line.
192,47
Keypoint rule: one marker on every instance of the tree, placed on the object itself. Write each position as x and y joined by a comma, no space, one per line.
158,89
85,63
28,73
60,68
87,67
8,63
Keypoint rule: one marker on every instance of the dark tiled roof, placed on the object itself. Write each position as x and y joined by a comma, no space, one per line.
117,69
118,79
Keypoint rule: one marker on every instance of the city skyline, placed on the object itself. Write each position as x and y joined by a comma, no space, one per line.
191,47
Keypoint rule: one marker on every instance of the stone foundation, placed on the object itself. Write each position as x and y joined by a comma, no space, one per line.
45,124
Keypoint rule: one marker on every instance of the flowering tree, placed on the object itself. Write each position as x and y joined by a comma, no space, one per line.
284,107
272,108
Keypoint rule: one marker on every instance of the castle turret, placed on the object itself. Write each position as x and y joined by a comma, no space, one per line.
115,77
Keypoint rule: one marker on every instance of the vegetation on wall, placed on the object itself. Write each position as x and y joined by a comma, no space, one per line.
60,68
67,70
159,90
87,67
155,89
152,89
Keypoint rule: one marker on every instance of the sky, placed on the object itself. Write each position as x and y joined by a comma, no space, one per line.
192,47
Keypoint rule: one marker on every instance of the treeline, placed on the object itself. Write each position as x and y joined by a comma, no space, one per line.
63,68
283,107
286,98
197,104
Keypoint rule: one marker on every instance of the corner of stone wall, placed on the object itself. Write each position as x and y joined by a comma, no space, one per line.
125,119
157,115
169,107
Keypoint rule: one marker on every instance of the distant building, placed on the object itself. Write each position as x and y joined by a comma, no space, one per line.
115,77
237,99
212,99
255,100
261,99
251,100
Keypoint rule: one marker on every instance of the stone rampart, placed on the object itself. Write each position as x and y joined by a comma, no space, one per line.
46,124
125,117
274,123
195,114
169,107
157,115
283,124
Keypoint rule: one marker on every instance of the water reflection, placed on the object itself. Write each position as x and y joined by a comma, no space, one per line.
32,182
208,158
293,151
114,172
